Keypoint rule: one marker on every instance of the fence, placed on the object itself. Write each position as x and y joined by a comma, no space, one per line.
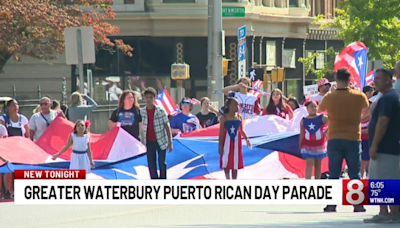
98,117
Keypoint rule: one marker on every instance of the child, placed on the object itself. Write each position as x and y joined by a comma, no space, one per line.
230,139
81,157
312,139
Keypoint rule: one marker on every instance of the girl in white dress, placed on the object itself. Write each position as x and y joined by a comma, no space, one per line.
81,157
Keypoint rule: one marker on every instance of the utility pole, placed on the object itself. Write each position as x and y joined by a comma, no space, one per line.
218,78
209,48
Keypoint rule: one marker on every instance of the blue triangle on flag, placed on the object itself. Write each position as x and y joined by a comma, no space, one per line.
232,127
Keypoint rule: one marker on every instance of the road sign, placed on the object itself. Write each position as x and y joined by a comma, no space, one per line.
233,11
242,33
71,45
79,49
242,52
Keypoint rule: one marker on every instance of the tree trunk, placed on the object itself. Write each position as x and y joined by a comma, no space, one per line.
4,57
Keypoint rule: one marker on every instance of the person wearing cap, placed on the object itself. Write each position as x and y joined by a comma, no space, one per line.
184,121
323,88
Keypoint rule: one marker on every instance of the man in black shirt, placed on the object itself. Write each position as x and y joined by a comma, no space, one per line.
383,133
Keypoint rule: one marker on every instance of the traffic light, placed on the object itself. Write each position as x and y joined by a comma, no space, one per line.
278,75
225,65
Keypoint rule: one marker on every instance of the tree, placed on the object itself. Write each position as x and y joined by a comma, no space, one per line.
319,73
375,23
35,28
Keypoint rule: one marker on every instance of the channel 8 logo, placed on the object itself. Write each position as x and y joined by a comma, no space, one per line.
355,192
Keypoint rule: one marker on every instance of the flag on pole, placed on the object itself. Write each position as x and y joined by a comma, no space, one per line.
256,89
370,77
354,58
165,101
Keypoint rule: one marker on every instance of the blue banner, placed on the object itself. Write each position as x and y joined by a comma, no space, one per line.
384,192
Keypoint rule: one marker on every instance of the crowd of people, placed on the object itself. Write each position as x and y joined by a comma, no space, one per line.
342,123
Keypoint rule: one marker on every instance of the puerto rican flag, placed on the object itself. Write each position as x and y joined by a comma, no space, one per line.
369,80
165,101
195,101
256,89
313,132
354,58
232,157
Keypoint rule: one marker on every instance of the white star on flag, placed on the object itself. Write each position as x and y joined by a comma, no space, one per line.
360,62
311,126
282,114
159,96
232,130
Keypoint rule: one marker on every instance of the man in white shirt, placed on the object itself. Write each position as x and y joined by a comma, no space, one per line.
248,104
323,88
41,120
3,132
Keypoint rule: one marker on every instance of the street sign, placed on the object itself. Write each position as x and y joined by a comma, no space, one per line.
233,11
242,33
79,49
242,52
71,45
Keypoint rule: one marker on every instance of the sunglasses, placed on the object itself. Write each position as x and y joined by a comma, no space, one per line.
186,103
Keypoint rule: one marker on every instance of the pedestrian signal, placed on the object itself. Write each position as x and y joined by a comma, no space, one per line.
180,71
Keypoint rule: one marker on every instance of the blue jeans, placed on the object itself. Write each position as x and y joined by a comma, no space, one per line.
339,149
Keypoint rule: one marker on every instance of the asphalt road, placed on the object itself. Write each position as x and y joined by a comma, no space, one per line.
13,216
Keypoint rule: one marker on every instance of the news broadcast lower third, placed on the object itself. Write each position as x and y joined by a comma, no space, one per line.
69,187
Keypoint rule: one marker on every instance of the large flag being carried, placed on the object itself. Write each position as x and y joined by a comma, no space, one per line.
275,153
354,58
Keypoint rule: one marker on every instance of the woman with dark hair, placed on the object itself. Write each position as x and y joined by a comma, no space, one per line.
277,106
293,103
16,124
127,115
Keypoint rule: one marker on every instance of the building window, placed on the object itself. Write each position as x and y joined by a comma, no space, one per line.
292,88
289,58
292,3
129,1
320,60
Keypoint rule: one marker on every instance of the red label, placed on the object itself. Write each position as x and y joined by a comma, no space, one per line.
50,174
355,192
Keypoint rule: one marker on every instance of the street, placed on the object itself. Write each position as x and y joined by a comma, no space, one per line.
13,216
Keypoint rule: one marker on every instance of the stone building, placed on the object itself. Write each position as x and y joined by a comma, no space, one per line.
166,31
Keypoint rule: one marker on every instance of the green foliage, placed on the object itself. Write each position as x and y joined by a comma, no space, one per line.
319,73
373,22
